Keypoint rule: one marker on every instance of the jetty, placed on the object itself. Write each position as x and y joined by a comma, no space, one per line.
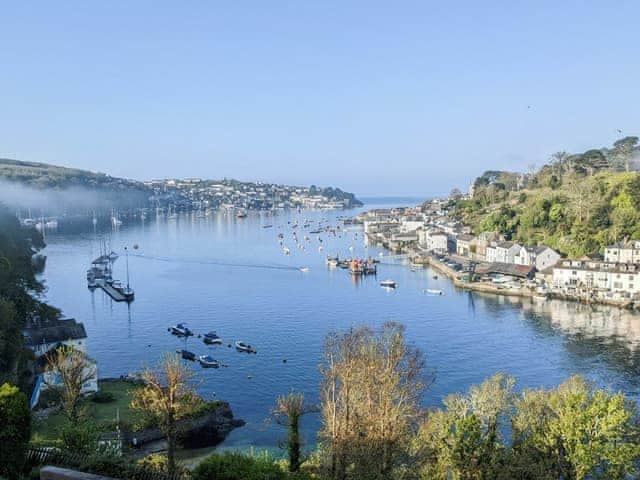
119,295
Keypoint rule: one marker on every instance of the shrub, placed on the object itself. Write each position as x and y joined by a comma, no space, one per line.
103,397
80,438
15,421
236,466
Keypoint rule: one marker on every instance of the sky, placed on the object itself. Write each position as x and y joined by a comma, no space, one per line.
384,98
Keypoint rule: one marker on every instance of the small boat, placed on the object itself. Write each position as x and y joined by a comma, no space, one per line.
304,269
212,338
435,277
432,291
245,347
181,330
388,283
207,361
267,226
286,251
333,261
187,355
112,256
241,214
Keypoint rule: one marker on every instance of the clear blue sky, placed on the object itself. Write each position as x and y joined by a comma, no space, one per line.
375,97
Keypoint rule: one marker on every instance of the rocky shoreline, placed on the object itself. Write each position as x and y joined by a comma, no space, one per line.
206,430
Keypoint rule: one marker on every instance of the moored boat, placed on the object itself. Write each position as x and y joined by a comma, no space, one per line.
207,361
187,355
244,347
388,283
432,291
181,330
212,338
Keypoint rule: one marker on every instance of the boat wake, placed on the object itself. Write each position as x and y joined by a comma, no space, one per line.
220,263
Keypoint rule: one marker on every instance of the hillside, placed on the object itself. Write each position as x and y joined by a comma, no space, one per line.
44,176
53,190
577,204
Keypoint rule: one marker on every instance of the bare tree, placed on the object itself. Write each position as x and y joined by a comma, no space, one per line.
168,395
73,368
372,386
289,409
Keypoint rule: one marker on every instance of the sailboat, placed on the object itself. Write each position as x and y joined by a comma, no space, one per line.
115,221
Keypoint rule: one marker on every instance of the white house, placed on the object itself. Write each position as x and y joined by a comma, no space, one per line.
611,277
46,335
437,241
623,252
506,252
541,257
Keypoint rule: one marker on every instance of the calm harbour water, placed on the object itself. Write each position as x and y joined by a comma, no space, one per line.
230,275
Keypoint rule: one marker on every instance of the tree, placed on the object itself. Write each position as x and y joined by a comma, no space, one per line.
168,396
464,441
15,421
73,368
594,161
584,432
370,400
289,409
623,149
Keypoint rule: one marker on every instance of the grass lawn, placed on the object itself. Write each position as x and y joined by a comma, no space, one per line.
47,430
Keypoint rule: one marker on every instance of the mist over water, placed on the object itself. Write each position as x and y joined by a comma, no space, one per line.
55,202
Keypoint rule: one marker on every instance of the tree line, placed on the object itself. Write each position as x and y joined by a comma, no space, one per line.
577,203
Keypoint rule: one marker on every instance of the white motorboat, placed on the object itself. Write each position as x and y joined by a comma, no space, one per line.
304,269
181,330
207,361
245,347
433,291
212,338
388,283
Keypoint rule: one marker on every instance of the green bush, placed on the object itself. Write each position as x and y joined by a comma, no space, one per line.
103,397
15,425
80,438
236,466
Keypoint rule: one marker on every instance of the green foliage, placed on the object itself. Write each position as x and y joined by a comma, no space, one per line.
19,288
103,397
15,419
80,438
577,203
236,466
573,432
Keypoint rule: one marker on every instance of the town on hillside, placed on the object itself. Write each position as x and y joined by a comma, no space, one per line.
431,234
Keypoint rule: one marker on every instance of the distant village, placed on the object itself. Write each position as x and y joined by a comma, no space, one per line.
487,262
198,194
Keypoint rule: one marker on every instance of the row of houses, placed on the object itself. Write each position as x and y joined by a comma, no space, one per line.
429,228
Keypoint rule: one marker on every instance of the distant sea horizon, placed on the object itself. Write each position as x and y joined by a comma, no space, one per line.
392,200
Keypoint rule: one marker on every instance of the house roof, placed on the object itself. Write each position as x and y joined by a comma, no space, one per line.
521,271
506,244
54,331
466,237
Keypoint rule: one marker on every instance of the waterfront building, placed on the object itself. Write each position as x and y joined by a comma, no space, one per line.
44,336
623,252
541,257
465,244
599,278
506,251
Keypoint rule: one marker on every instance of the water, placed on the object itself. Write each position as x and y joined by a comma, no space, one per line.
230,275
